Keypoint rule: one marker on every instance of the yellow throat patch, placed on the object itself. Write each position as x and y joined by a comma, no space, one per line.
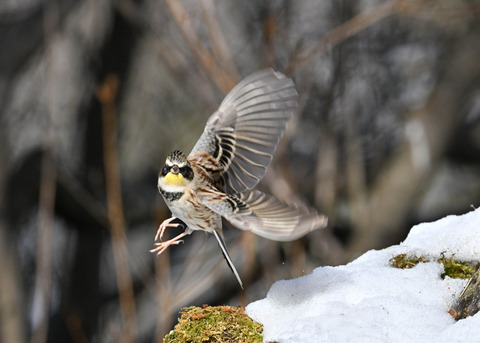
174,180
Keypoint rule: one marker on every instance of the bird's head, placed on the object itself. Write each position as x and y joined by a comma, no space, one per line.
176,172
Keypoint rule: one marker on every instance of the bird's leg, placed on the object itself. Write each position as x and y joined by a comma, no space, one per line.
162,246
163,226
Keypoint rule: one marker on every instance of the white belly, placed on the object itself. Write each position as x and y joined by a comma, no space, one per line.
185,211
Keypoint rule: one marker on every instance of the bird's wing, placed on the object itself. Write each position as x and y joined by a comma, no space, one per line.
243,133
264,215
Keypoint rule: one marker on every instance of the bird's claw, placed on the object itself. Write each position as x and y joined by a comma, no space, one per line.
162,246
163,227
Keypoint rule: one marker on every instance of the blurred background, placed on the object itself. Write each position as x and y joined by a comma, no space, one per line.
95,93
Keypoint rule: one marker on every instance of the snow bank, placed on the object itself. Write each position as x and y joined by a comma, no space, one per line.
369,301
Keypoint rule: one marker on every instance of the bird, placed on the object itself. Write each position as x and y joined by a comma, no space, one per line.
231,156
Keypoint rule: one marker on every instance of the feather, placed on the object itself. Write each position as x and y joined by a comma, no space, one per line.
264,215
243,133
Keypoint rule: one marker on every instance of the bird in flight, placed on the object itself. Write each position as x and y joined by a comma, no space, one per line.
232,155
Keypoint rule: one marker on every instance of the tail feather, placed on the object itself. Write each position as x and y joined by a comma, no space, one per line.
223,246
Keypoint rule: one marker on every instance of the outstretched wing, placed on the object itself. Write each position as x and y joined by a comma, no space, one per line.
264,215
243,133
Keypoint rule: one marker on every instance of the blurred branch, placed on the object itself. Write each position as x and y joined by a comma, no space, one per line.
443,11
428,130
326,175
11,323
78,194
12,326
46,206
268,46
219,44
222,78
355,177
106,95
348,29
44,245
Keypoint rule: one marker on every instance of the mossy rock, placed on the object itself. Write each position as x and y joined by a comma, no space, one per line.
215,324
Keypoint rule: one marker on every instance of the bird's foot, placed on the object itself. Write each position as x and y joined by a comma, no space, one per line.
162,246
164,225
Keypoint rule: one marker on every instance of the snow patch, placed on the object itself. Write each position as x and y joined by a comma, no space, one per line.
367,300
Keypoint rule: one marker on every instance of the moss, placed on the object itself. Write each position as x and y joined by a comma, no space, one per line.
454,269
402,261
215,324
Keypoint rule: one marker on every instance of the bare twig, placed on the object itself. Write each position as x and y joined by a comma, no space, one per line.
326,175
347,30
269,32
44,244
107,94
219,43
222,79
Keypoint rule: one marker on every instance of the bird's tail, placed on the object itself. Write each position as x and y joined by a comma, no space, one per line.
223,246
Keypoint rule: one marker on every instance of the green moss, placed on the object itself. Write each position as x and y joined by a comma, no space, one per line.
452,268
456,269
402,261
215,324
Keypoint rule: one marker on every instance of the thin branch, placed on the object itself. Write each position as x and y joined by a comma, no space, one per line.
12,328
222,79
268,44
43,277
217,39
107,94
347,30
